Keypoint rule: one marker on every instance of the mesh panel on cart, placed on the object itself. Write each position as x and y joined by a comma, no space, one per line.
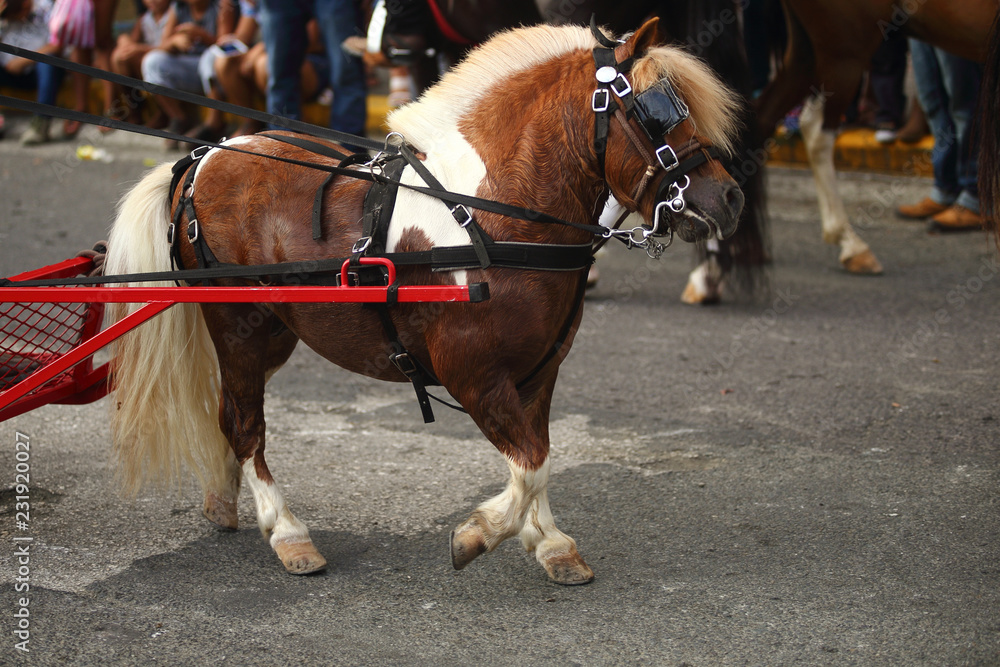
32,334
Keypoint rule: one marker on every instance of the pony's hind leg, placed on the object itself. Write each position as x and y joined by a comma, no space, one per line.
220,503
521,434
245,362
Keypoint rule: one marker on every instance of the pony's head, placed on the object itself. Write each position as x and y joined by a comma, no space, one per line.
668,121
516,120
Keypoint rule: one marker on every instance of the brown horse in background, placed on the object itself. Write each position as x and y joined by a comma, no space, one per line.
190,383
830,45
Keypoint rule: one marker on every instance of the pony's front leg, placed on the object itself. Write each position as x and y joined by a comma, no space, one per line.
521,434
855,255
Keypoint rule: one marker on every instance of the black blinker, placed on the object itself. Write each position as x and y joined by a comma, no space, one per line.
659,110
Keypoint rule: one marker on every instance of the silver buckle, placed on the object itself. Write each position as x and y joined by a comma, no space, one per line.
361,244
601,106
626,89
194,153
659,156
462,215
193,225
170,234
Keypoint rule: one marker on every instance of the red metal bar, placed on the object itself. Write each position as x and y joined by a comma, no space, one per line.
242,294
381,261
66,269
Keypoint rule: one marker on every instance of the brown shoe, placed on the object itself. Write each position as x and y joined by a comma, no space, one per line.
955,219
925,208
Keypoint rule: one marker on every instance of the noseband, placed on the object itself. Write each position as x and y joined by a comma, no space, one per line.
657,111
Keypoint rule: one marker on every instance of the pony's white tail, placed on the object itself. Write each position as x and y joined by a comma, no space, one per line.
166,401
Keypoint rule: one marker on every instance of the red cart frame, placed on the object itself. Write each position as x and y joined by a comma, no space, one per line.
55,343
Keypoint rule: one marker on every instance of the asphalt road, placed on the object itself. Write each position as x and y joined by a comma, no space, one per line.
808,478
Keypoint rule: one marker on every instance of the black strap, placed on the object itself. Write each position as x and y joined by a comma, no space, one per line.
379,205
460,212
603,104
581,288
504,254
677,173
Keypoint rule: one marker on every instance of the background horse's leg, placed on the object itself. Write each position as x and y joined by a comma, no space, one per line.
247,355
519,429
855,254
220,504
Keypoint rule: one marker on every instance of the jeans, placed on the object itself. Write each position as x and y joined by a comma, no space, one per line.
173,71
45,78
948,86
283,24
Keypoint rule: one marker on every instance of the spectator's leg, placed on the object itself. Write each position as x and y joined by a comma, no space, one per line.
961,80
283,24
338,20
934,100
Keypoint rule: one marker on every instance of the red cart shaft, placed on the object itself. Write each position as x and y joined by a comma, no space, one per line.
88,384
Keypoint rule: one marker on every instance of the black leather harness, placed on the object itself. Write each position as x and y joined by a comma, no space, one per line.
378,207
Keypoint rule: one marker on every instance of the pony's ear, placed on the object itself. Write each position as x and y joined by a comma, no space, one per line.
640,41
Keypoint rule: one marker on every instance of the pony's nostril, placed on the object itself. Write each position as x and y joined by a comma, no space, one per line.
734,200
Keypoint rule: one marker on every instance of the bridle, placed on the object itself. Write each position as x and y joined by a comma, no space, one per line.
656,111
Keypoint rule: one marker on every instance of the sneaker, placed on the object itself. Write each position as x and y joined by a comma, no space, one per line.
955,219
885,133
925,208
37,132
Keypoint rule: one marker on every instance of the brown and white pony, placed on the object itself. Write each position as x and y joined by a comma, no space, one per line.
513,123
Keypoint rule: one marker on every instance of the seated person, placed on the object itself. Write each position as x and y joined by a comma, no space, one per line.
192,27
128,54
242,77
25,24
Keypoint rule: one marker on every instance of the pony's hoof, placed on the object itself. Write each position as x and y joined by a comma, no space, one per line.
467,542
221,512
300,557
567,569
864,263
696,296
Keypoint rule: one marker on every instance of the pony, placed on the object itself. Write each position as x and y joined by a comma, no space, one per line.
515,122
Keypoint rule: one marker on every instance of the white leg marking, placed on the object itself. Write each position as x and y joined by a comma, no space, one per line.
504,515
273,516
820,147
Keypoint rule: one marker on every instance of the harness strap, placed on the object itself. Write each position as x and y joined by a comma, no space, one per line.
602,103
378,207
460,212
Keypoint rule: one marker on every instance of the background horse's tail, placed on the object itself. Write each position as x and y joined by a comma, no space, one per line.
989,152
745,254
165,372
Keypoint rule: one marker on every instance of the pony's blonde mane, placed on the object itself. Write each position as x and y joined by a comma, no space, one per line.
461,88
713,105
425,121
